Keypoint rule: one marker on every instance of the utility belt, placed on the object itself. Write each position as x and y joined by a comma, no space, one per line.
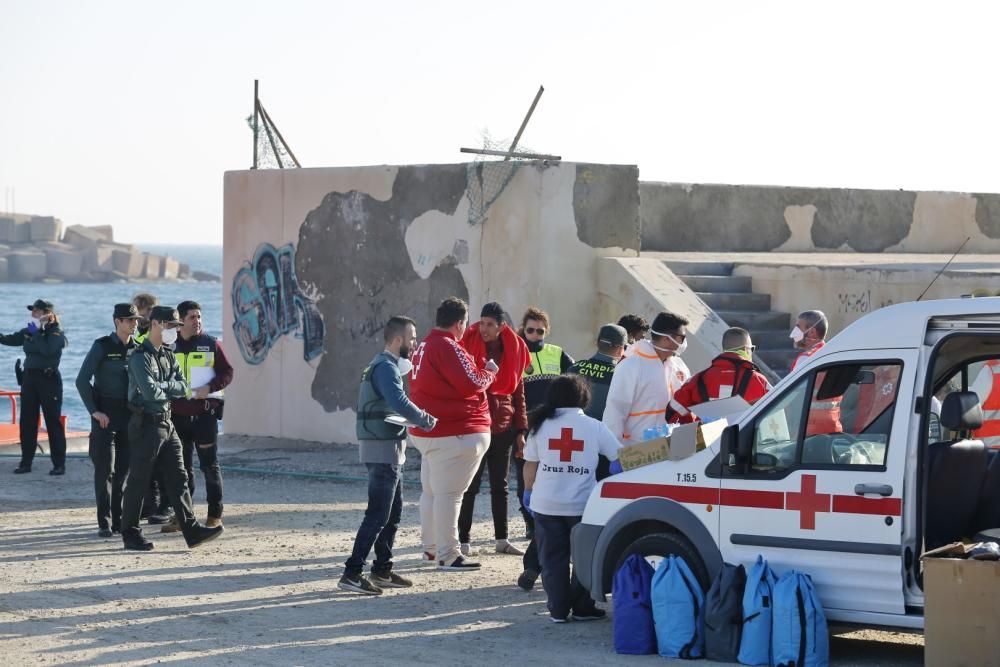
147,417
46,372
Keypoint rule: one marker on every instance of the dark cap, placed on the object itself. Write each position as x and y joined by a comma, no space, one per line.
41,304
494,310
612,334
165,314
126,311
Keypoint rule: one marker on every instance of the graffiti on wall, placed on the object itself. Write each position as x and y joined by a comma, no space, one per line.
269,303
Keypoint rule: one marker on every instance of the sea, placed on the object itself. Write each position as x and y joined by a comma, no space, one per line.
84,310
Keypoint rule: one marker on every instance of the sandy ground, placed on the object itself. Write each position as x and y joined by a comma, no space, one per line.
265,593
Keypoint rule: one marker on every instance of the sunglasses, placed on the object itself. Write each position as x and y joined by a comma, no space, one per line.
532,330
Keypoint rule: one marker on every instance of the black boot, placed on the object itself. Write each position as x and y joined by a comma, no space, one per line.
197,534
134,541
21,469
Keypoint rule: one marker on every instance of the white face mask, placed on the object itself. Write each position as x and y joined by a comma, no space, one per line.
404,365
680,346
798,334
169,336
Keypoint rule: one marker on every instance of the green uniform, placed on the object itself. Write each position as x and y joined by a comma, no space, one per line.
155,379
107,364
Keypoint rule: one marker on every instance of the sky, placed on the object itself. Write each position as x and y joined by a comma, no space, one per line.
129,113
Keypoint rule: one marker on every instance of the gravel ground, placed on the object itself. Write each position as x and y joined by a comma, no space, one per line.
265,593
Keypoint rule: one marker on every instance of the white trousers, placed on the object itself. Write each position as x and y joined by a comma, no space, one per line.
447,466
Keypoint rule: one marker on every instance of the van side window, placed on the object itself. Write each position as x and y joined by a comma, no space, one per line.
850,415
776,431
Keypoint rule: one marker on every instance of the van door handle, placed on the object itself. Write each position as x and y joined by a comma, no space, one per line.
880,489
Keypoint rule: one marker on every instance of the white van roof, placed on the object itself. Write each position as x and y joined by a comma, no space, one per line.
904,325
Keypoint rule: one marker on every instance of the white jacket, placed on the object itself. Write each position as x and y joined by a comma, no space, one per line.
641,388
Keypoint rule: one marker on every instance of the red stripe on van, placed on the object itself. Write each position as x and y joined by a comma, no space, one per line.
682,494
860,505
771,500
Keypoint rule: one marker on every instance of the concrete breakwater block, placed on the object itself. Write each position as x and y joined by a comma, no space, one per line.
82,237
13,230
183,271
152,265
170,268
64,263
99,259
3,269
206,277
127,262
25,265
45,228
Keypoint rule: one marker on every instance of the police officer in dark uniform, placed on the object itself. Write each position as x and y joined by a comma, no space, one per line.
155,379
41,387
107,402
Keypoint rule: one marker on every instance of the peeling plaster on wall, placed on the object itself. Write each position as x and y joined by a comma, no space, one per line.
800,221
352,248
988,215
600,195
934,211
865,220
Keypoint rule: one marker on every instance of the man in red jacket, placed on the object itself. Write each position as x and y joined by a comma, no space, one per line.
492,338
732,373
447,383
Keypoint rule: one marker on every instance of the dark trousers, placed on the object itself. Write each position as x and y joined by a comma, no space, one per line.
564,591
378,528
201,433
497,461
154,442
42,393
529,521
156,501
109,453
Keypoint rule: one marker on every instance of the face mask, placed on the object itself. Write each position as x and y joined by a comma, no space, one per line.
404,365
680,346
797,335
169,336
742,353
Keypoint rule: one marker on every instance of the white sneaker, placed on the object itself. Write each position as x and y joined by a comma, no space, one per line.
468,550
505,547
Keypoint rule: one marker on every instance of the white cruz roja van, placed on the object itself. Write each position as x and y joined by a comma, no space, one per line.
848,470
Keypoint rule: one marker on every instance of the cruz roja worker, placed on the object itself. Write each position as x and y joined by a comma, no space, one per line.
155,379
107,402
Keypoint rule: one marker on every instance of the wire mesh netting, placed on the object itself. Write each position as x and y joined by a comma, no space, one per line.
271,150
489,175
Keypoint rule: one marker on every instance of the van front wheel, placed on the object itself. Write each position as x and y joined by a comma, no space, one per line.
655,546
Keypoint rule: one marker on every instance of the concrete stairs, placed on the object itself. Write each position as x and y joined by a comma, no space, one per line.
733,299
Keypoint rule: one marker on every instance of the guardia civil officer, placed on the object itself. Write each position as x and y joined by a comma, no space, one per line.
107,402
155,379
196,417
41,389
156,506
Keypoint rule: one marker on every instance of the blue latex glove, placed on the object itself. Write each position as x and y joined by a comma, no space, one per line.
616,467
527,502
32,328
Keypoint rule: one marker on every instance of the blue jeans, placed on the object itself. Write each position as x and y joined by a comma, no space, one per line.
378,528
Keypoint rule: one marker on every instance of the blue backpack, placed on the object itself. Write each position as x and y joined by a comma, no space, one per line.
633,631
799,636
755,644
678,610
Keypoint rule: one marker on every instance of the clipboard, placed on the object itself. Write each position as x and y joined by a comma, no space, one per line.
400,420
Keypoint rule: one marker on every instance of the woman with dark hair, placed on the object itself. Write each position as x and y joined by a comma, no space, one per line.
41,389
560,460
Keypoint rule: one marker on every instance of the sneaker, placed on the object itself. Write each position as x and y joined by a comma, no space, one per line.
159,519
459,565
556,619
505,547
359,585
390,580
590,615
58,470
172,527
527,580
468,550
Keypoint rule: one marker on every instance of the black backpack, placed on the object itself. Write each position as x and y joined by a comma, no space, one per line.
724,614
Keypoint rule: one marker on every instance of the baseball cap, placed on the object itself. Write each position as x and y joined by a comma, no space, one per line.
126,311
612,334
165,314
41,304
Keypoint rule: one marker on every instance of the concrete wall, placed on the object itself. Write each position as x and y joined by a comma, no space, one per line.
724,218
846,294
318,259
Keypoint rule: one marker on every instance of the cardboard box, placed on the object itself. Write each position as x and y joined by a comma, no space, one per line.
684,441
961,612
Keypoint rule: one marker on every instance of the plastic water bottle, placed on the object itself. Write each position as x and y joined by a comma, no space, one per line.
650,433
665,430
